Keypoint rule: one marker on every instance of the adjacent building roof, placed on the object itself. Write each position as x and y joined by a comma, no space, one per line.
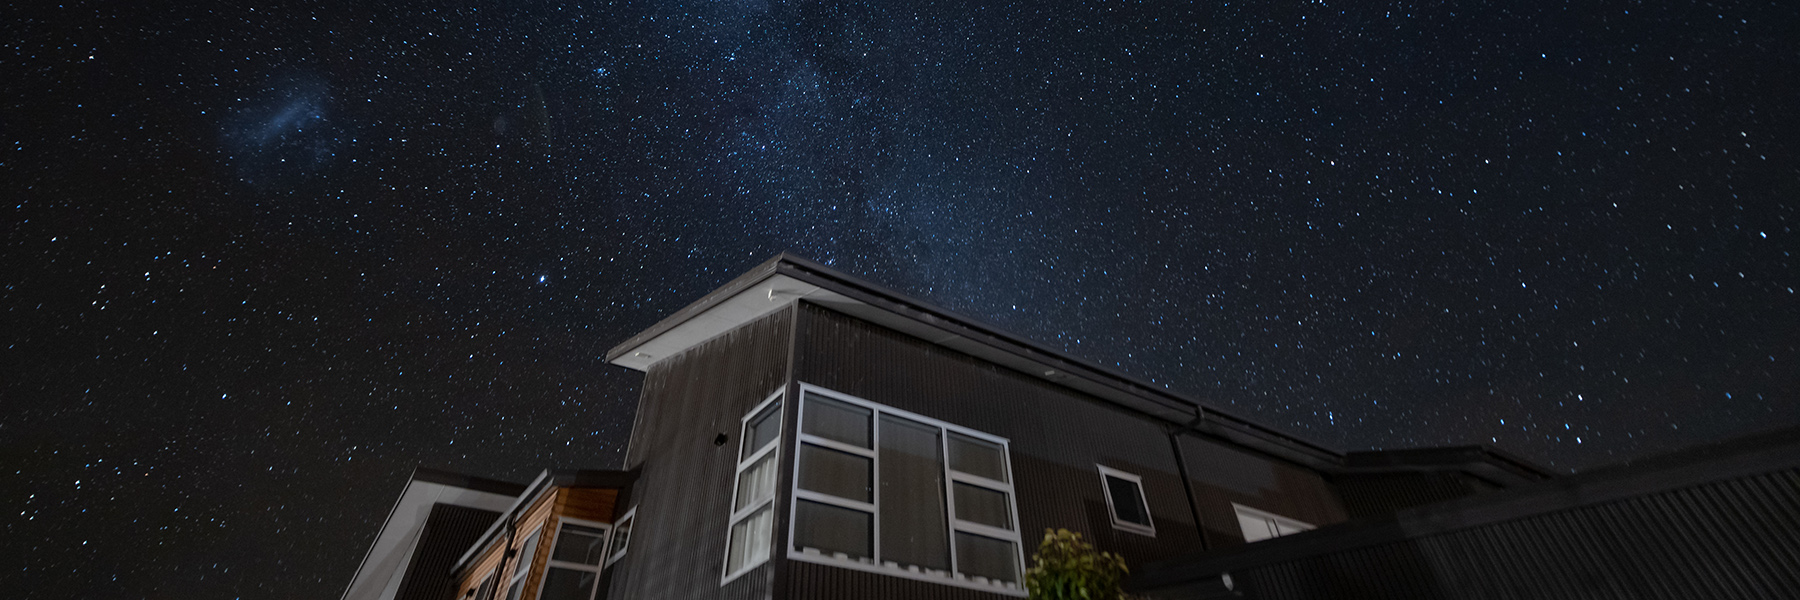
786,278
528,494
1682,523
384,568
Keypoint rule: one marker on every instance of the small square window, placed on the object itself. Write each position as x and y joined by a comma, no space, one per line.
1126,503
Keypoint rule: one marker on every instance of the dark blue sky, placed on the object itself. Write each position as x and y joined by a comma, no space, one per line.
263,260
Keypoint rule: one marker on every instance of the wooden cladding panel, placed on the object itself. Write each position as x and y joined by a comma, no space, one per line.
490,558
683,496
537,518
588,504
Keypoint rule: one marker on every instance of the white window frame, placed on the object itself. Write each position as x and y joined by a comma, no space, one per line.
522,569
952,523
1112,507
605,550
745,462
614,554
1272,519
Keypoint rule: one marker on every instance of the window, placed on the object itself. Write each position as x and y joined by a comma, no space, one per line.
1259,525
621,536
753,495
887,491
1125,500
521,568
574,566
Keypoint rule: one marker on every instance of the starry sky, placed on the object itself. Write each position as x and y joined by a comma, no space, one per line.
261,260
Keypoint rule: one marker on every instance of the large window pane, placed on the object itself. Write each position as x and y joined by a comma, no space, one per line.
977,457
986,557
831,529
762,429
982,505
837,421
756,483
568,584
750,540
837,473
1128,500
912,495
579,544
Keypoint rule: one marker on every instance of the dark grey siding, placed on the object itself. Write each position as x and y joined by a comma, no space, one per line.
1731,539
1222,475
683,496
448,532
1376,495
1057,437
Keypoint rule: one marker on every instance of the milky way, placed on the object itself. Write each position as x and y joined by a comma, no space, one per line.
263,261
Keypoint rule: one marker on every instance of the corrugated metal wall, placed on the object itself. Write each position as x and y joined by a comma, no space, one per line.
449,531
683,497
1737,538
1375,495
1222,475
1057,436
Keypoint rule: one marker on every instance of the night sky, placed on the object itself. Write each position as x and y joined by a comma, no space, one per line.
261,262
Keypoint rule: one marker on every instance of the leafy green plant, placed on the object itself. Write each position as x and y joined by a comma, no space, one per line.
1067,568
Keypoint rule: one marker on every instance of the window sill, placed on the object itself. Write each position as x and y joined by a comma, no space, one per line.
894,569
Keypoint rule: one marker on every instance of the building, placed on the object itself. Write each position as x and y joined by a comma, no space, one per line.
802,433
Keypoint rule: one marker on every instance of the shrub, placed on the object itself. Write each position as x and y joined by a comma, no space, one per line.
1067,568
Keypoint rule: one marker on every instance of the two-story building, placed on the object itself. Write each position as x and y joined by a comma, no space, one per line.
805,434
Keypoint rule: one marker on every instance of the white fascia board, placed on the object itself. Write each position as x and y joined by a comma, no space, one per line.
767,296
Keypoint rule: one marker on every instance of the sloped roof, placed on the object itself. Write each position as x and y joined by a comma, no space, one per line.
786,278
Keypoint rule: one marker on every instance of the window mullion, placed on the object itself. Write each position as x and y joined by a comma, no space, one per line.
949,502
834,500
751,510
836,445
986,530
875,481
971,479
758,454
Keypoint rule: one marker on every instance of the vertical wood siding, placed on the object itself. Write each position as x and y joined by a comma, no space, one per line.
1738,538
683,496
1057,437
